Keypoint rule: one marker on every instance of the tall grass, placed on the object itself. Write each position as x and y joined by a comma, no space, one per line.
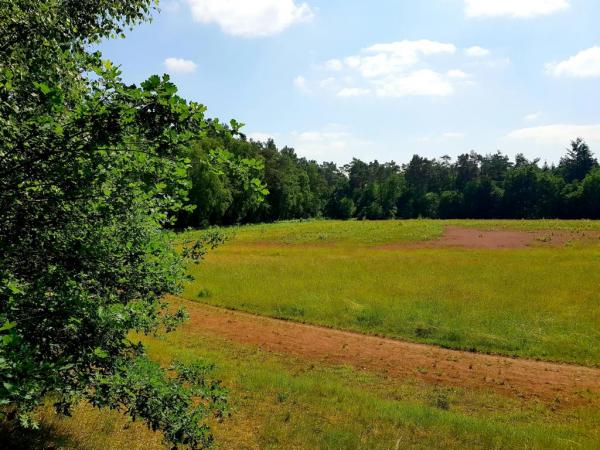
280,402
533,302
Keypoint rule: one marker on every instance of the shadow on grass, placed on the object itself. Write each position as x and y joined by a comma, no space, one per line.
46,438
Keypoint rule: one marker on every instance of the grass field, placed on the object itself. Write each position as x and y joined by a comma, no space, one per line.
282,403
536,302
532,302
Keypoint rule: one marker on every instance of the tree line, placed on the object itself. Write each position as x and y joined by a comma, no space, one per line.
471,186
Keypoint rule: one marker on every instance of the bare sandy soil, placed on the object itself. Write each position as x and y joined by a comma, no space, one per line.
499,239
561,384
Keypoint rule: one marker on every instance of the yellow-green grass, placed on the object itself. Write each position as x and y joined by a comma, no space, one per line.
279,402
531,302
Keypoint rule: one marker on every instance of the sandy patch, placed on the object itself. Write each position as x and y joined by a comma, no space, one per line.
498,239
549,382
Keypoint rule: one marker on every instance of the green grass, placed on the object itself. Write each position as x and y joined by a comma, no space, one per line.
539,302
282,403
534,302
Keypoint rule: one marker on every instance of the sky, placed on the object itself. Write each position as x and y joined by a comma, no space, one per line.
383,79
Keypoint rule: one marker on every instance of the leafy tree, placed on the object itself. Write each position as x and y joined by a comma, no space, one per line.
481,199
418,174
578,162
451,205
432,205
532,193
466,168
591,194
91,170
494,167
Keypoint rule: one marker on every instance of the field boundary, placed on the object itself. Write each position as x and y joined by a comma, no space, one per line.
558,383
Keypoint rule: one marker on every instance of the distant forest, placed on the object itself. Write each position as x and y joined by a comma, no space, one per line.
472,186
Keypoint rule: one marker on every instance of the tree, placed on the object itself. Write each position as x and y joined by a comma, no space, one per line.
451,205
494,167
91,170
578,162
532,193
591,194
466,168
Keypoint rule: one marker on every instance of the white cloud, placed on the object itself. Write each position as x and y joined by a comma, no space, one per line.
421,82
353,92
326,82
400,69
172,6
532,117
324,145
251,18
384,59
334,64
477,52
585,64
260,136
453,135
394,69
458,74
180,66
520,9
330,143
558,134
301,83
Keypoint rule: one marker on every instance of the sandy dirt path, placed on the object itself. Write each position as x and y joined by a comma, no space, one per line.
549,382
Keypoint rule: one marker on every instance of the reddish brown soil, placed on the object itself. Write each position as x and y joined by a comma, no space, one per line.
559,383
498,239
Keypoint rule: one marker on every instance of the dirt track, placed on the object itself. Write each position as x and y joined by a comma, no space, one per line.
559,383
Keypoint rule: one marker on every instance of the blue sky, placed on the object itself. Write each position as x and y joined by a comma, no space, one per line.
383,79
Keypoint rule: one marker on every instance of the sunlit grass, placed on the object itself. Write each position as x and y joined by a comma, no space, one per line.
538,302
279,402
533,302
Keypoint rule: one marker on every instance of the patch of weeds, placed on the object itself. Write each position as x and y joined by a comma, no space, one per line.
204,293
369,318
452,336
281,397
289,311
424,331
440,399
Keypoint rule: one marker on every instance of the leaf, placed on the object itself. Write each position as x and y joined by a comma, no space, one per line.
43,88
8,326
101,353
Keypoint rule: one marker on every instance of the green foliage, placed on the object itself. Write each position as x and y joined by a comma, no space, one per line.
578,161
91,170
473,186
590,192
175,405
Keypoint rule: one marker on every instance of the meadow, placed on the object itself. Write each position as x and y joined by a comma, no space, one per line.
373,277
279,402
380,278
